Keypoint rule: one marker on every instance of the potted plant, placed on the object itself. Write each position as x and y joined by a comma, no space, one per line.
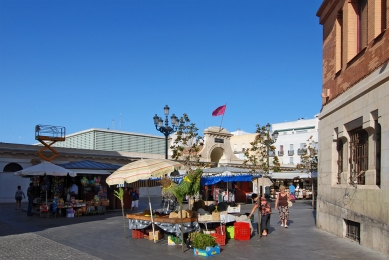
204,244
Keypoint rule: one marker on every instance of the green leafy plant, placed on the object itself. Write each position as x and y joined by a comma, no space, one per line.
119,194
202,241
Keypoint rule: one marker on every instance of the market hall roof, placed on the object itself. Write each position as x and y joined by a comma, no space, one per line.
86,164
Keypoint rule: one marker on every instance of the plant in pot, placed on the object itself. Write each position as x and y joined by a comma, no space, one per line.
203,244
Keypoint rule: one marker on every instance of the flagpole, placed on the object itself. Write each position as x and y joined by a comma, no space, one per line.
222,119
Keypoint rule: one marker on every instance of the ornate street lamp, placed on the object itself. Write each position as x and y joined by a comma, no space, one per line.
166,129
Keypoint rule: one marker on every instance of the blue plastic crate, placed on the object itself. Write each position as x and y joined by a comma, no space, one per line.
209,251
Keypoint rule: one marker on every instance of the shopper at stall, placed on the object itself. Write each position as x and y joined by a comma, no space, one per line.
30,196
74,190
19,194
291,189
282,205
135,200
265,210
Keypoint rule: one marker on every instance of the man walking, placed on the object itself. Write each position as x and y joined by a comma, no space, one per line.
30,196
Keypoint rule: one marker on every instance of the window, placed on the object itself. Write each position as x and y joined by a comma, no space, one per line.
362,24
356,27
353,230
281,151
291,147
243,147
234,147
291,160
339,41
339,148
358,155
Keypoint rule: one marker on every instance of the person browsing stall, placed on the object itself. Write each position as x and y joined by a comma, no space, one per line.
265,209
30,196
135,200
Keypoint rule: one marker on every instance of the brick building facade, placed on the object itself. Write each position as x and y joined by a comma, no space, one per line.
353,183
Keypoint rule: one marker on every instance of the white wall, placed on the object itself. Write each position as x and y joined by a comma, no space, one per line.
9,184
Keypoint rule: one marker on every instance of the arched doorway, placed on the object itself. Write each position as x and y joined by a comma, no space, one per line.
216,155
12,167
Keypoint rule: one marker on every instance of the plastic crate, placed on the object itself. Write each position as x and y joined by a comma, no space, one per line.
242,231
220,239
138,233
221,230
230,232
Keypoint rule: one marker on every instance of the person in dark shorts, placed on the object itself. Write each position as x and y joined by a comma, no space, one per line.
19,194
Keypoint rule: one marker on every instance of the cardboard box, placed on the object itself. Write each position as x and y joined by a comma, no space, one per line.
233,209
158,235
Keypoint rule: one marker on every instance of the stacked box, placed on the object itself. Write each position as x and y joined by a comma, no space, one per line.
242,231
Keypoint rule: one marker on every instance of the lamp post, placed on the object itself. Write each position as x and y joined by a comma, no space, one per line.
166,129
269,142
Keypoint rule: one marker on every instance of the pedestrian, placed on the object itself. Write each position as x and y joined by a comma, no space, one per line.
135,200
130,191
282,205
291,189
265,209
18,197
30,196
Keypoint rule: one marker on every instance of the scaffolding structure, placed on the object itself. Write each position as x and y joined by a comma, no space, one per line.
49,135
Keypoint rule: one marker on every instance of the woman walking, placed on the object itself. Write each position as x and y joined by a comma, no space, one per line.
18,197
282,205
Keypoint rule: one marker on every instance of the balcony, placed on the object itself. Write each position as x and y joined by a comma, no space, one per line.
280,153
301,151
290,152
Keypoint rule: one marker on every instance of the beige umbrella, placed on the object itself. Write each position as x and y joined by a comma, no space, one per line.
143,170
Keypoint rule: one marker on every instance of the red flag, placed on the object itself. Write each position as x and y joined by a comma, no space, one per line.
219,111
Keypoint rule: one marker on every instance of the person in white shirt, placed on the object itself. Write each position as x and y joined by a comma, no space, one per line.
74,191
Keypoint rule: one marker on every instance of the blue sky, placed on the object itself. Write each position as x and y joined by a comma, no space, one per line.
99,64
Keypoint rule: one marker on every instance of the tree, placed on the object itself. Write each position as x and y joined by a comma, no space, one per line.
186,148
257,157
309,162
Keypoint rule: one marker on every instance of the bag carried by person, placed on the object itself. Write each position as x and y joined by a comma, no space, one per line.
290,203
292,197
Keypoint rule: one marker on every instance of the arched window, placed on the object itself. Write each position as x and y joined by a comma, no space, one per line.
12,167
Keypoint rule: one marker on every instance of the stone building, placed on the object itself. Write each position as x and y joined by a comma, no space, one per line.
353,183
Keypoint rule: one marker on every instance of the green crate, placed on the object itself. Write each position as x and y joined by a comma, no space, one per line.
230,232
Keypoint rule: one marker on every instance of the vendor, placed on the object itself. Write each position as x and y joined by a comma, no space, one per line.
74,190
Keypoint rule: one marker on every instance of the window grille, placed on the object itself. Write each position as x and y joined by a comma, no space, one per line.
353,230
339,148
358,155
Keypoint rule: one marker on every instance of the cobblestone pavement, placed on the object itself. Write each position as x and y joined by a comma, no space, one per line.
104,237
32,246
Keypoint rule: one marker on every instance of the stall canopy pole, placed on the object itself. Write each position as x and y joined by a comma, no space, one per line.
151,211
